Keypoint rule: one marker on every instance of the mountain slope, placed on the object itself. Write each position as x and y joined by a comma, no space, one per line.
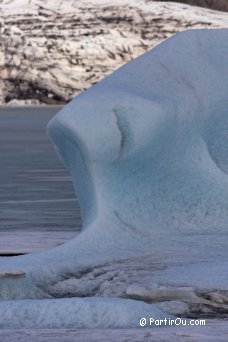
220,5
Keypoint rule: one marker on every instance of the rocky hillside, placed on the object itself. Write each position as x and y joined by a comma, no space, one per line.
219,5
50,52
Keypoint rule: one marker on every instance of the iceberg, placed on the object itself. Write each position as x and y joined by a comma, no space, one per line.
147,148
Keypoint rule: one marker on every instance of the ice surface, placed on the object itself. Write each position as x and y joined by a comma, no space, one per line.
214,330
147,149
79,313
149,144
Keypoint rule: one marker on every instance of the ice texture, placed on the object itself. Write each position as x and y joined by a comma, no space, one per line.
90,313
147,149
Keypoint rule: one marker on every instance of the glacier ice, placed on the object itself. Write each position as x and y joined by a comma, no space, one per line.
147,149
78,313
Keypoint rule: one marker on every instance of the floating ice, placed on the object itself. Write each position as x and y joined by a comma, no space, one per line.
147,148
90,313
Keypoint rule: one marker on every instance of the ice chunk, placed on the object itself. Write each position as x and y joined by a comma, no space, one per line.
148,152
12,273
157,294
78,313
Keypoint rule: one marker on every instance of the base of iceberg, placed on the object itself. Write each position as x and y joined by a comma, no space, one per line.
78,313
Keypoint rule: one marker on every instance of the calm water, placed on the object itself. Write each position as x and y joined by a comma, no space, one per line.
36,192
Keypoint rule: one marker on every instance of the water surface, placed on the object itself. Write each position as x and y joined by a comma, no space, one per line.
37,199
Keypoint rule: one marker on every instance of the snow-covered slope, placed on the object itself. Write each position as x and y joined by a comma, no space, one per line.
147,149
52,50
